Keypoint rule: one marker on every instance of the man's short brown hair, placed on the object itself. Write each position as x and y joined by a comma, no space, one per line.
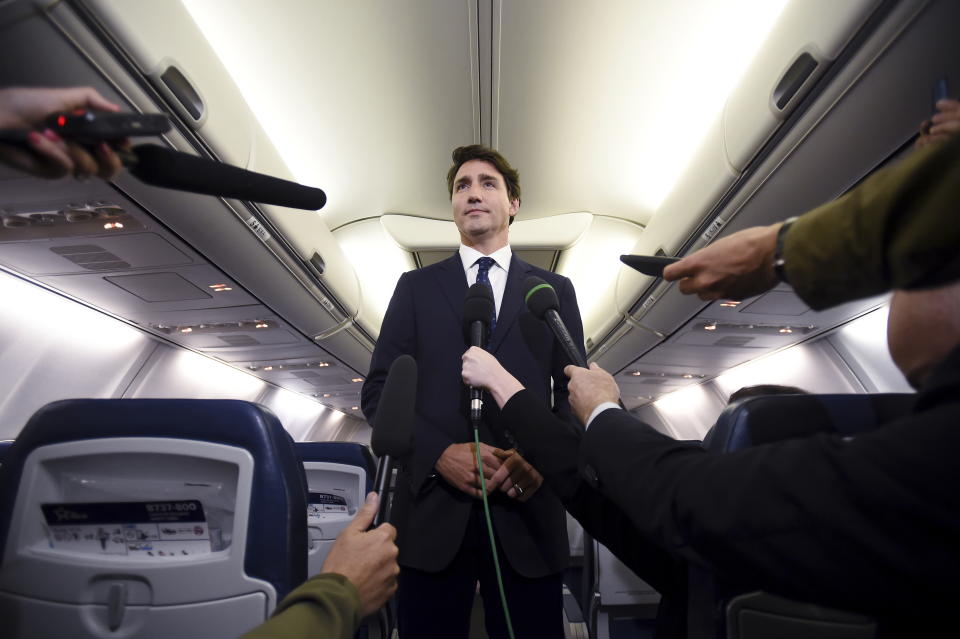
463,154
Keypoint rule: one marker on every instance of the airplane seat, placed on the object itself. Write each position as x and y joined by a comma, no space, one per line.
4,445
149,518
759,420
339,475
574,617
619,603
715,612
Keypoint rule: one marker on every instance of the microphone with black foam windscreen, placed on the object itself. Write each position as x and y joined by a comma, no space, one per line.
541,300
393,425
478,308
171,169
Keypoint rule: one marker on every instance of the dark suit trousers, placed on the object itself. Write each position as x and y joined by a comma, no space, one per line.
438,604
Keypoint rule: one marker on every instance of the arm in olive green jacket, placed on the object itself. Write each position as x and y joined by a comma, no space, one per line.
325,606
898,229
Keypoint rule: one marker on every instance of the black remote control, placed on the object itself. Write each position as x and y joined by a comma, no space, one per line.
93,127
103,126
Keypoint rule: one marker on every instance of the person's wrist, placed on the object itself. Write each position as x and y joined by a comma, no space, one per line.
779,261
504,389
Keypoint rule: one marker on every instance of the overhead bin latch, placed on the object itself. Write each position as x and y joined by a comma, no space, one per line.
793,79
187,97
345,323
635,323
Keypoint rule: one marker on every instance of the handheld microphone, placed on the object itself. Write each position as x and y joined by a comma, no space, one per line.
478,308
393,425
171,169
541,300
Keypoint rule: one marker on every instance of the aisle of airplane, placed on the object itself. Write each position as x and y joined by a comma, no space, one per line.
638,127
296,298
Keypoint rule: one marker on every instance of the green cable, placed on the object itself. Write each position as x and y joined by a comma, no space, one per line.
493,544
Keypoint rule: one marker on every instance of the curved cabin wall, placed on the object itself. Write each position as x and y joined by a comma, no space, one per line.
58,349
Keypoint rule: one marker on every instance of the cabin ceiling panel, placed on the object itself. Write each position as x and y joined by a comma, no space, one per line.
721,337
282,351
365,100
192,287
92,253
601,106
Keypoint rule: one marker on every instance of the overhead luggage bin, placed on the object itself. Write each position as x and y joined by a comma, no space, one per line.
808,36
165,46
123,49
839,137
704,182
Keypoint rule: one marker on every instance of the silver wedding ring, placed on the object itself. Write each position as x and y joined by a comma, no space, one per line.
519,490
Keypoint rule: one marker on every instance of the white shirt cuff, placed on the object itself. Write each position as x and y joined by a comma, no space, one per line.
599,409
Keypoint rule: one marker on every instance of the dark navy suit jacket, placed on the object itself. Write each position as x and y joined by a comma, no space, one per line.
424,320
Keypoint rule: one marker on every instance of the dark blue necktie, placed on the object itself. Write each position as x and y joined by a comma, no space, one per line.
483,276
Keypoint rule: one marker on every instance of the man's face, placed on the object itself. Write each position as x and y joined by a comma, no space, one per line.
481,206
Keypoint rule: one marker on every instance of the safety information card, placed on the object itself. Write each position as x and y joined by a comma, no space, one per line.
321,505
144,530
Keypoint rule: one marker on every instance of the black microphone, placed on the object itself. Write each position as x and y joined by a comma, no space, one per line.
478,308
393,425
171,169
541,300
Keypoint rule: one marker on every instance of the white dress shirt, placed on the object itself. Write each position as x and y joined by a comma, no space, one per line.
599,409
497,274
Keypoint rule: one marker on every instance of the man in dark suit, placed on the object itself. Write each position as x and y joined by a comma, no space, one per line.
444,549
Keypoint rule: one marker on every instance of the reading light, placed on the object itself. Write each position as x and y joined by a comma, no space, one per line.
729,304
78,214
268,368
262,325
356,379
15,221
758,329
109,210
186,330
687,376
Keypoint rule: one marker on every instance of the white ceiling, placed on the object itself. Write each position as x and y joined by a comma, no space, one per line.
600,105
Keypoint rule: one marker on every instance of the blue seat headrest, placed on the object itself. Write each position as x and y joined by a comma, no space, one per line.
759,420
276,532
349,453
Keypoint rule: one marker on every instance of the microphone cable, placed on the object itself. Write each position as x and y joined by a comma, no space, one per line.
489,521
478,308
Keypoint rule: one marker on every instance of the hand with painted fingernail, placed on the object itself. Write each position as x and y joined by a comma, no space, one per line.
45,153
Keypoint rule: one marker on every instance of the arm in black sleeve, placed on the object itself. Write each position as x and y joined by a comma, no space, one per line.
822,519
398,336
552,446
